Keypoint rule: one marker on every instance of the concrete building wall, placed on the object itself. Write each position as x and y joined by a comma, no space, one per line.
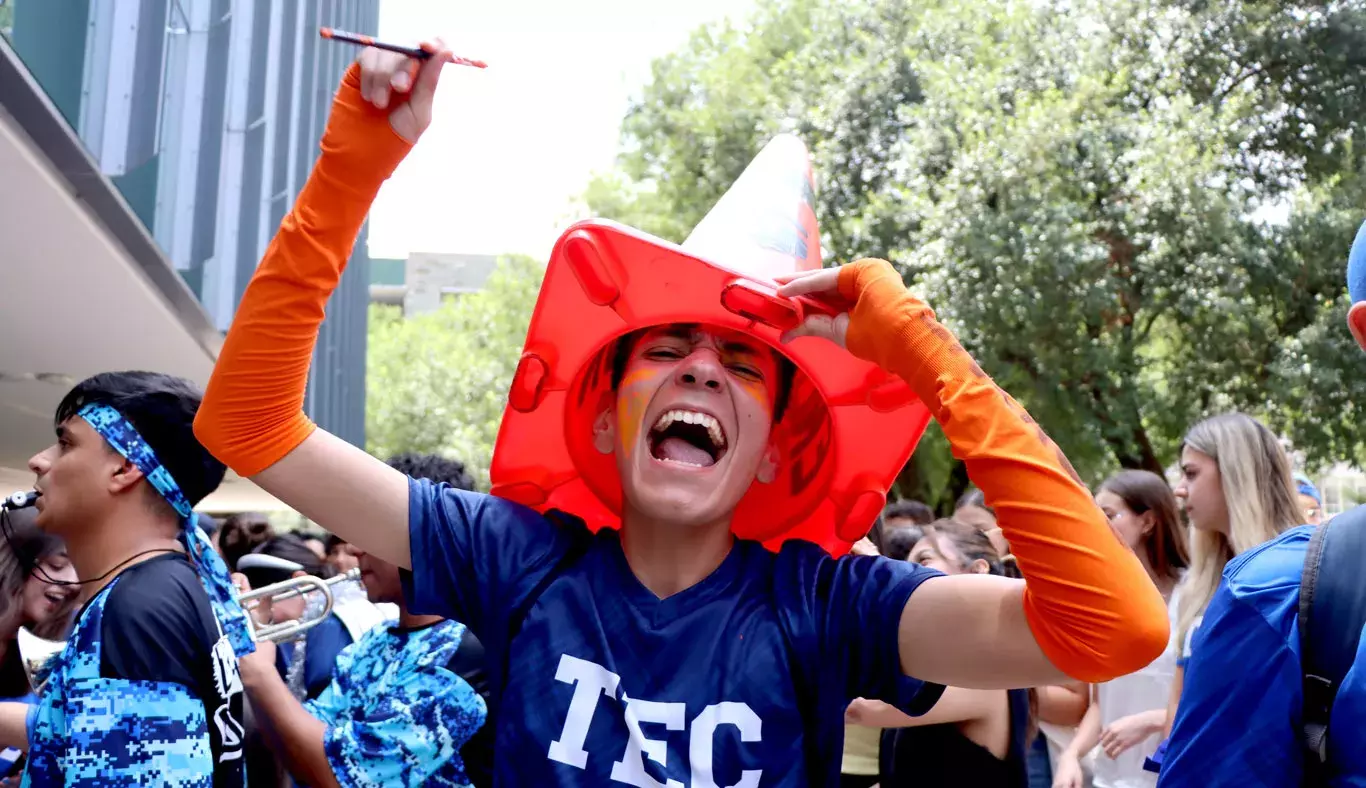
422,280
206,114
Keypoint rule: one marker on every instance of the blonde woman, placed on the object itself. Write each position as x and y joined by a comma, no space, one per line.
1238,492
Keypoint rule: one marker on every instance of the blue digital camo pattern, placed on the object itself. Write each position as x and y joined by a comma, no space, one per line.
93,731
121,435
395,714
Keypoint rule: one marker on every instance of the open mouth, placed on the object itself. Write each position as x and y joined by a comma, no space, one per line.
687,437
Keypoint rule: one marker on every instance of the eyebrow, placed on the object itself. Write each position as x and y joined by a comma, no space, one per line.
683,331
736,346
688,333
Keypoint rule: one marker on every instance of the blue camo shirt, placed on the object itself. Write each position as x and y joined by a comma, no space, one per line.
1239,720
143,694
740,680
395,712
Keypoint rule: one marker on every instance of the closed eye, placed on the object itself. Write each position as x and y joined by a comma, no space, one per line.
746,371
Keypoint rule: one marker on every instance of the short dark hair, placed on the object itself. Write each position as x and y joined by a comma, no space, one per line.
915,511
787,371
332,542
897,542
241,534
290,547
973,497
162,409
435,467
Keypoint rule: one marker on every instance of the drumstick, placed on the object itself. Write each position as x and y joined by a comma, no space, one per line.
417,53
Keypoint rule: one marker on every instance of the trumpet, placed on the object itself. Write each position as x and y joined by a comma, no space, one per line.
36,653
286,631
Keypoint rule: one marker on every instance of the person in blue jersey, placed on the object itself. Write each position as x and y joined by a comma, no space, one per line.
1238,723
406,703
669,652
147,690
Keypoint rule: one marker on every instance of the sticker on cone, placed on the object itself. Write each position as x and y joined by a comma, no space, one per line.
848,427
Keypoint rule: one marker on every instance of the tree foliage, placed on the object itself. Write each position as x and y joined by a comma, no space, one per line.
1133,212
437,382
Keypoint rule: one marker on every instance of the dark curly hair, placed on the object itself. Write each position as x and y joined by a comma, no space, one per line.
437,468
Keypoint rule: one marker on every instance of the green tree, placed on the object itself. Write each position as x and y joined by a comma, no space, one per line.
437,382
1079,188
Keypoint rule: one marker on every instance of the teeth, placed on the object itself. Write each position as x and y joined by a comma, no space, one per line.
718,438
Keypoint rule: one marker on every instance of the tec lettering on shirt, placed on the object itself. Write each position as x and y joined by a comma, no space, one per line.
592,682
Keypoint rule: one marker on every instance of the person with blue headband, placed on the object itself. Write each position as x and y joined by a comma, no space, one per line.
1275,692
146,691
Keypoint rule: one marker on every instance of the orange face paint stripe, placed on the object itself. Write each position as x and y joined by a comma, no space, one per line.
632,399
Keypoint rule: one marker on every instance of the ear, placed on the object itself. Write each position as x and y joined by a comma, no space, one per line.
1356,320
1149,521
125,476
979,567
605,432
768,466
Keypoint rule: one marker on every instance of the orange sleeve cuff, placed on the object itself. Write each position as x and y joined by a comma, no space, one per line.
252,414
1089,602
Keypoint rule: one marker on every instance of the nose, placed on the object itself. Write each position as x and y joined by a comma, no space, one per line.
41,462
701,370
1180,490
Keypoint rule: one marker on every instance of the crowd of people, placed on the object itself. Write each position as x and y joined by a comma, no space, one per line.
1040,634
1234,492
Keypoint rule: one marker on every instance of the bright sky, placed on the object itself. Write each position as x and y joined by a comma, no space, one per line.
511,146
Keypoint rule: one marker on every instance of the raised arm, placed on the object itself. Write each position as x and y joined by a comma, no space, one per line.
252,416
1086,609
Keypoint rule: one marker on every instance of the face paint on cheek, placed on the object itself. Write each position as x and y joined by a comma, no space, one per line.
756,390
632,398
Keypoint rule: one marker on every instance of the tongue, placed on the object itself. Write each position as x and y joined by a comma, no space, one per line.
679,450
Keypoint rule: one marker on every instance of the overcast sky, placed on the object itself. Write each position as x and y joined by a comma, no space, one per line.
512,145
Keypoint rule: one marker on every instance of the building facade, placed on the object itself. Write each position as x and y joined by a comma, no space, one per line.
206,117
423,280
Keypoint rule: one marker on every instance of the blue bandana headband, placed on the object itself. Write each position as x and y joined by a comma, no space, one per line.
114,428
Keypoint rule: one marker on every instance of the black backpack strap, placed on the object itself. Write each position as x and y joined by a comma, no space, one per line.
1332,613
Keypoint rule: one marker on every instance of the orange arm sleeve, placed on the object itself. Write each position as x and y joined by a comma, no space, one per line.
1092,609
252,414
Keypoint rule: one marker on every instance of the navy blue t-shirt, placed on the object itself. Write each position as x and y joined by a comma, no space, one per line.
157,626
741,679
325,642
